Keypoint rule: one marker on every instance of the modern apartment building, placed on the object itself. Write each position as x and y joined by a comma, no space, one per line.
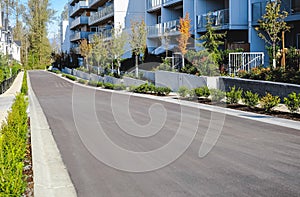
65,36
79,12
238,18
90,17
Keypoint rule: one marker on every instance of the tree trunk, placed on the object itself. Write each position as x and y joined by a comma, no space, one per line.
136,66
274,55
182,61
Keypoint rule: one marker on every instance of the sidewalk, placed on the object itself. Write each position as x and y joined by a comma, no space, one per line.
7,98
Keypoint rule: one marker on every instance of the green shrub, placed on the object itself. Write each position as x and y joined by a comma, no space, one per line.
162,91
132,88
13,141
269,101
93,83
100,84
233,96
119,87
292,102
71,77
63,75
24,87
217,95
108,86
82,81
183,91
250,99
202,92
145,88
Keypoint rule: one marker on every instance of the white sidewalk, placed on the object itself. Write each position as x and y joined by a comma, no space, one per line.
7,98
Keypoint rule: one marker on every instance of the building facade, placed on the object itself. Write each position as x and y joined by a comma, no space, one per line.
65,36
8,46
238,18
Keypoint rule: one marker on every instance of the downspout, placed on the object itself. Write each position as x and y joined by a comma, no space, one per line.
249,24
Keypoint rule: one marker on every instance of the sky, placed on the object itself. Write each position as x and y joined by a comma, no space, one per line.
57,5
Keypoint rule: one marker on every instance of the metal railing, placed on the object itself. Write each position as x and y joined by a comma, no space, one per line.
159,29
244,61
155,30
153,4
78,6
171,26
5,85
106,33
101,14
80,35
83,20
218,18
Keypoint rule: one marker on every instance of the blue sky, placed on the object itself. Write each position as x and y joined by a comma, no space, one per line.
57,5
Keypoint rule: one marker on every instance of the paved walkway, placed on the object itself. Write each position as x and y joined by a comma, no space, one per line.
7,98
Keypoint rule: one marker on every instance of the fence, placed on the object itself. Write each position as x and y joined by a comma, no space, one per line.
5,85
244,61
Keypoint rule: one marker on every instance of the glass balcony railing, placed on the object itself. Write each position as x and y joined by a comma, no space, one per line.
152,4
106,33
218,18
155,30
159,29
78,6
171,26
101,14
79,35
82,20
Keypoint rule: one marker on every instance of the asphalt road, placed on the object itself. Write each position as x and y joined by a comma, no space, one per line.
250,158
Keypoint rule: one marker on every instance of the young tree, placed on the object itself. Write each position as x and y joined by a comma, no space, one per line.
85,51
272,23
119,38
99,50
212,39
184,29
165,40
137,41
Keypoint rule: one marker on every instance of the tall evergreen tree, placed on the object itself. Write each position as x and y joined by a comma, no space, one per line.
38,16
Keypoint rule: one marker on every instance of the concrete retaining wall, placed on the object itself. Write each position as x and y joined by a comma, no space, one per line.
175,80
113,80
261,87
67,70
94,77
81,74
127,81
149,75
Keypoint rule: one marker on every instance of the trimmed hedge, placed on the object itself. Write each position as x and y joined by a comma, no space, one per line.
13,140
24,88
151,89
71,77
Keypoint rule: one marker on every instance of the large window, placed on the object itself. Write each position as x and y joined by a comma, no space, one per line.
296,6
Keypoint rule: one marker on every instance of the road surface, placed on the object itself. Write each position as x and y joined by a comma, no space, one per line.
250,158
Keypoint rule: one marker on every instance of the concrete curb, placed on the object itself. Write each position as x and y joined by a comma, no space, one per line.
237,113
50,174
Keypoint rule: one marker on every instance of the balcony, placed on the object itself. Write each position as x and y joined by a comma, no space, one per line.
81,5
101,15
153,5
290,6
155,31
79,36
170,27
96,3
171,2
105,34
82,20
219,19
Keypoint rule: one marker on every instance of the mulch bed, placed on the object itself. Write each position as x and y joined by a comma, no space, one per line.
278,114
27,170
